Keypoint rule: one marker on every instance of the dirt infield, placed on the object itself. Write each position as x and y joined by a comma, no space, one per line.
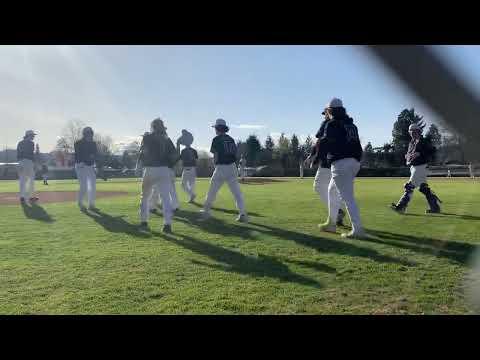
55,196
260,181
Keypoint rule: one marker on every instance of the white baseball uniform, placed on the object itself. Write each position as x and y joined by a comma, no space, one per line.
88,183
189,176
161,178
225,174
26,178
344,172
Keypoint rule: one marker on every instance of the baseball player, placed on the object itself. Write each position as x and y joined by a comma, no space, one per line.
470,170
341,144
417,157
157,156
85,156
224,150
26,168
449,173
324,174
189,157
242,164
44,172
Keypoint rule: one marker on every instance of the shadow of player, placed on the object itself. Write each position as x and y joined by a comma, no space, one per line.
36,212
116,224
452,250
233,261
443,214
227,211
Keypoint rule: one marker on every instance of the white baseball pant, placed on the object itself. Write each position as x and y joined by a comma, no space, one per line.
189,176
26,178
418,175
160,177
88,183
222,174
344,172
173,190
321,183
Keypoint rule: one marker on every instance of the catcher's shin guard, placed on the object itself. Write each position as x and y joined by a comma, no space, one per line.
405,199
432,199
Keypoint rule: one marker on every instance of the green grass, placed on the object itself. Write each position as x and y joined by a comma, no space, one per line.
56,260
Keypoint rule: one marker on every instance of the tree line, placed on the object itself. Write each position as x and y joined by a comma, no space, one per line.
449,147
287,153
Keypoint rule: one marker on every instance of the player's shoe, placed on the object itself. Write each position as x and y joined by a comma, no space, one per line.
33,199
153,211
192,199
328,227
432,211
243,218
397,209
361,234
22,200
167,229
93,208
144,225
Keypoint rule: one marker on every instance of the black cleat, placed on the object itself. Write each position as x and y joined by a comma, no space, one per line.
144,225
167,229
153,211
432,211
397,209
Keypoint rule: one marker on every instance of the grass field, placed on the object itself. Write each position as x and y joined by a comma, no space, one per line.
57,260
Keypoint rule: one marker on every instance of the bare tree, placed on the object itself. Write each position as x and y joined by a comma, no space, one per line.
71,133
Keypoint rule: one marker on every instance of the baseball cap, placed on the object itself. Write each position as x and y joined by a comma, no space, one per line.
220,122
158,122
30,133
334,103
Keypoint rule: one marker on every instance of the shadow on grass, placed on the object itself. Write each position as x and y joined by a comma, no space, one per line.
227,211
36,212
326,245
213,225
320,244
232,261
442,214
456,251
116,224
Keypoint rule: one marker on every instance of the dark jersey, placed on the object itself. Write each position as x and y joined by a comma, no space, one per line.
340,140
319,155
189,157
422,147
85,152
225,148
158,150
25,149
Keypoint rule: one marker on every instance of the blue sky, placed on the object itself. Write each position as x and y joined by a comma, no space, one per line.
264,90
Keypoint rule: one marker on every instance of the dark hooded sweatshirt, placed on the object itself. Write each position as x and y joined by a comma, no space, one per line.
340,140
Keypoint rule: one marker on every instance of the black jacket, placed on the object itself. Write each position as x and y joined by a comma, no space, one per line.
320,157
86,152
341,141
158,151
25,150
422,147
